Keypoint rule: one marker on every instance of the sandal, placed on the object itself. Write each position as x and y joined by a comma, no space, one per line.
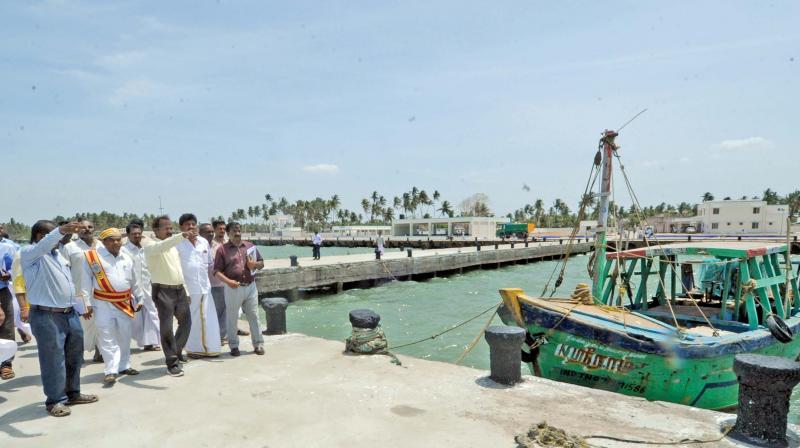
59,410
6,373
81,399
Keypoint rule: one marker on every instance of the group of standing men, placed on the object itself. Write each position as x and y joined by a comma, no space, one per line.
127,291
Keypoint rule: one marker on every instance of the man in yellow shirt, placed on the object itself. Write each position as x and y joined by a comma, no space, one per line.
168,291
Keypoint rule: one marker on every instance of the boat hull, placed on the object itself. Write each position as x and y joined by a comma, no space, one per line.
593,356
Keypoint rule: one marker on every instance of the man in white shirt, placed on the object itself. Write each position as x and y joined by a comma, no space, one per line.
74,251
216,239
146,324
195,255
317,242
107,277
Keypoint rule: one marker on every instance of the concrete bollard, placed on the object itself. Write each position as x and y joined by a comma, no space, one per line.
409,251
765,385
275,307
496,247
478,247
512,245
364,318
526,244
505,355
560,241
377,254
293,260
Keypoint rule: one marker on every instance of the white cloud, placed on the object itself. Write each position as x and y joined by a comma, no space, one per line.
684,160
652,163
322,168
136,89
744,144
122,59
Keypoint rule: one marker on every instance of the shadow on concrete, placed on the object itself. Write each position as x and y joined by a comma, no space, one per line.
488,383
132,381
26,348
19,382
29,355
27,413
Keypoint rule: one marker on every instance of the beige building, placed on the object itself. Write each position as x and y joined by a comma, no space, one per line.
742,216
361,231
459,227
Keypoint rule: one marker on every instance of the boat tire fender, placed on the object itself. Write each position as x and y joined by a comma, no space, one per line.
779,329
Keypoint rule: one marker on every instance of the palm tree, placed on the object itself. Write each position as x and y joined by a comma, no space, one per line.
388,215
446,209
708,197
771,197
406,203
793,200
365,205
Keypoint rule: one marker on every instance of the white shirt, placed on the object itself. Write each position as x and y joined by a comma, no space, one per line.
119,271
317,239
140,272
195,261
73,252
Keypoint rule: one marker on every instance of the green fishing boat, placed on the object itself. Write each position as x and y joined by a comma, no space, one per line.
646,328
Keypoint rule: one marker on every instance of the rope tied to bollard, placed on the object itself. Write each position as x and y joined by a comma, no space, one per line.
434,336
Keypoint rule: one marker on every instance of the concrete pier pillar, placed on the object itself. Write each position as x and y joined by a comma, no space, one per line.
275,307
505,355
765,385
293,260
293,295
339,287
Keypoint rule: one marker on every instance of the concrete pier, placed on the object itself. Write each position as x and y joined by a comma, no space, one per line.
337,272
306,393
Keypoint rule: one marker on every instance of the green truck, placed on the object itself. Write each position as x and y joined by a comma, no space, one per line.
519,230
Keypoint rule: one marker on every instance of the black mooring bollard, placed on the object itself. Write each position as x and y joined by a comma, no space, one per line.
765,385
293,260
409,251
495,247
512,245
478,247
275,307
364,318
526,244
505,355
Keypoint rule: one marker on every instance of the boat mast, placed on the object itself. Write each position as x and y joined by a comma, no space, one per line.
602,226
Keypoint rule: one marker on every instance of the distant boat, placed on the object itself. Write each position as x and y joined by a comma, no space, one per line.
644,328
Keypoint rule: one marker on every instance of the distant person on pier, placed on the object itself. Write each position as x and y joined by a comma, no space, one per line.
53,317
74,251
108,279
195,255
379,243
317,242
214,233
169,293
145,324
235,263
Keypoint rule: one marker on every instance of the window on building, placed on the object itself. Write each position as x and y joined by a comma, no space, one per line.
756,210
715,211
715,225
755,225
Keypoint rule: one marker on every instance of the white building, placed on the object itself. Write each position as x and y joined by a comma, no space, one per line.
742,216
463,226
361,231
280,221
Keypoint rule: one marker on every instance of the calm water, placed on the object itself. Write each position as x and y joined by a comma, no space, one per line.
414,310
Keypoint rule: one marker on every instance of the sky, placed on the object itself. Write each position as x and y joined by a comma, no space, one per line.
210,105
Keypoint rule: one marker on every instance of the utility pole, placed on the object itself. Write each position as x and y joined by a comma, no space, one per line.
160,208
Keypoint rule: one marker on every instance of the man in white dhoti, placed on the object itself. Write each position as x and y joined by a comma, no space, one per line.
145,324
195,255
107,277
74,251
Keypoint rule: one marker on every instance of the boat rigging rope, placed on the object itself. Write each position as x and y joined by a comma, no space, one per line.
593,174
649,442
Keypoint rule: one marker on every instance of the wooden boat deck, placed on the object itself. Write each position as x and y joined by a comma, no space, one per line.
620,316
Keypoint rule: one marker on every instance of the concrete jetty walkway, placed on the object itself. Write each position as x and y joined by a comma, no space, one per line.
306,393
343,271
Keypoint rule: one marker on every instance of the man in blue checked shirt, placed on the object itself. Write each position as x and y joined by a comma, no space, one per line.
54,320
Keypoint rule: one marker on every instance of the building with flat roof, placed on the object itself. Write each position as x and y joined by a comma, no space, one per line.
742,216
361,231
462,226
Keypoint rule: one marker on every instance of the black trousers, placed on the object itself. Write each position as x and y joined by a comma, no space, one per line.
7,328
315,251
172,302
